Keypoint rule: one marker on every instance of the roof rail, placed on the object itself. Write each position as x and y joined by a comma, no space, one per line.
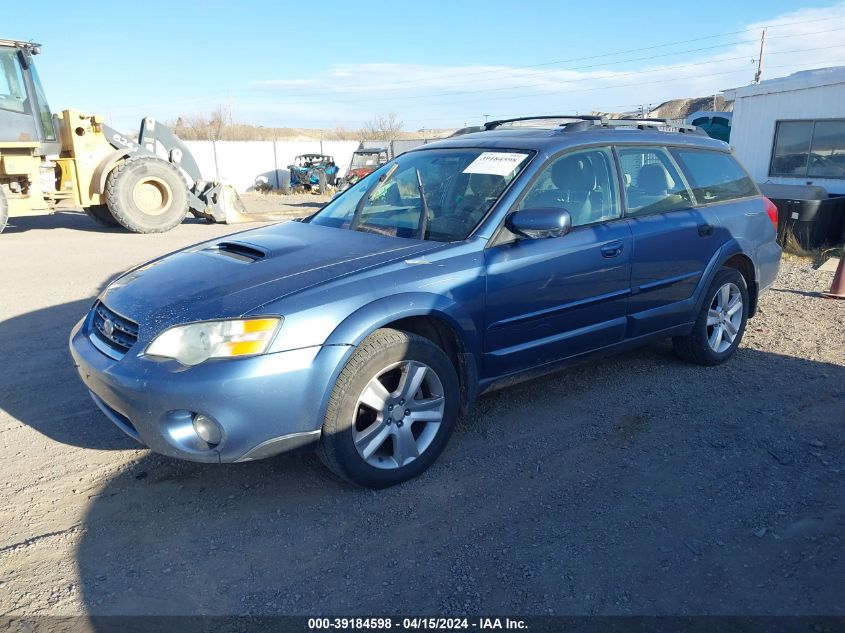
32,47
641,123
583,122
492,125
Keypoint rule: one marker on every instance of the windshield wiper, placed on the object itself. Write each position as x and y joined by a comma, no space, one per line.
423,225
356,217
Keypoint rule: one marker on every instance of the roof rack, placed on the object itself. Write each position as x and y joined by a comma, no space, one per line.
645,123
31,46
492,125
583,122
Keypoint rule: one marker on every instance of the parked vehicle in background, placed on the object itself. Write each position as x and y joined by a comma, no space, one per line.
459,267
312,172
364,162
715,124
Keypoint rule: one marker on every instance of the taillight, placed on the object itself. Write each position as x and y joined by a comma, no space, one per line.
772,211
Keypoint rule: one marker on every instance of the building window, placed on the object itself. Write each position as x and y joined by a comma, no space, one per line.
809,149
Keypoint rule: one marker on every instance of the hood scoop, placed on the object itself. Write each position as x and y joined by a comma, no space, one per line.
238,251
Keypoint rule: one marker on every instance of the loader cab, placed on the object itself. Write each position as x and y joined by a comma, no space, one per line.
24,113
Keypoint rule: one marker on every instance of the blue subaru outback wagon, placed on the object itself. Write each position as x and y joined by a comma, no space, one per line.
495,255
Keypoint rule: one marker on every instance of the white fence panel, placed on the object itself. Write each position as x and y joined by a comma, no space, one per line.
242,163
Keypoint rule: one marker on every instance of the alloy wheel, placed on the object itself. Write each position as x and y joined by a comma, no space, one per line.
398,414
724,318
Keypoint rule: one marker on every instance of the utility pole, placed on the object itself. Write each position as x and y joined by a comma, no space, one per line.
486,117
759,72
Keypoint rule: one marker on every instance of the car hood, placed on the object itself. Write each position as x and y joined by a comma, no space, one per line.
230,276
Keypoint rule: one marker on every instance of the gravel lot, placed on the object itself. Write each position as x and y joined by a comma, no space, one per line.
637,485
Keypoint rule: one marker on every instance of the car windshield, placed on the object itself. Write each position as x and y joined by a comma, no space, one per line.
313,160
437,194
362,160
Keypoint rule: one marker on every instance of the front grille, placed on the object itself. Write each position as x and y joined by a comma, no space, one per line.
120,335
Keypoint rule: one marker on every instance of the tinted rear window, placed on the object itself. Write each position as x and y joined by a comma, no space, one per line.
714,176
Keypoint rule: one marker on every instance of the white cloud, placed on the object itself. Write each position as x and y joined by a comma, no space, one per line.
429,96
446,96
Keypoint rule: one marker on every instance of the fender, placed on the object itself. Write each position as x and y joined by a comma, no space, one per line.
367,319
98,180
736,246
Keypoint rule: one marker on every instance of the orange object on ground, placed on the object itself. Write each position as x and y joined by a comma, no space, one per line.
837,288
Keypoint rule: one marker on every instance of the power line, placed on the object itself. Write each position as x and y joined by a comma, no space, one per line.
608,108
437,95
620,52
330,93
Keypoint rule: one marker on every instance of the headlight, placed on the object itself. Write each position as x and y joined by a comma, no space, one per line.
195,343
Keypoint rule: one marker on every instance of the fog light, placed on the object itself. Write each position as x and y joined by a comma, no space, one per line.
208,430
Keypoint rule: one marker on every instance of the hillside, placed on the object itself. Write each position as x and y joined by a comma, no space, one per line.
678,108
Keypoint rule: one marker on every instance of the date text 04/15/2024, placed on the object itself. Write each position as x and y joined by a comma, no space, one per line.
414,624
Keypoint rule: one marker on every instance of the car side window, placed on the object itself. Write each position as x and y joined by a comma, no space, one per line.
652,182
714,176
583,183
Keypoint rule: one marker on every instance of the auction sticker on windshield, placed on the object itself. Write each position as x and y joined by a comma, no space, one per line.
495,163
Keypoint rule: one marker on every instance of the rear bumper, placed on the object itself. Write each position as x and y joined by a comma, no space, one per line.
265,404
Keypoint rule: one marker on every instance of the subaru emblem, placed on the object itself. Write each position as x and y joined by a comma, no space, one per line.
108,327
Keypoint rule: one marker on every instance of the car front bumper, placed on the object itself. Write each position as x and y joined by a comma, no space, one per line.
264,404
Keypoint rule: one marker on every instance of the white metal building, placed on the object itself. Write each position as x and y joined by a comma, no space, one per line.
791,130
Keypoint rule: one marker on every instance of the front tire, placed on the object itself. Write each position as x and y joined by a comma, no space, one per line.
392,410
101,215
721,321
147,195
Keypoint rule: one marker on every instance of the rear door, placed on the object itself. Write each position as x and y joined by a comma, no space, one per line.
673,239
549,299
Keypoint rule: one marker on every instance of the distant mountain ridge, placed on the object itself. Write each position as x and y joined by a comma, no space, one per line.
677,108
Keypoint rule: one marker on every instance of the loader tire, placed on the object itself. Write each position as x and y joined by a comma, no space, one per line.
147,195
101,215
4,210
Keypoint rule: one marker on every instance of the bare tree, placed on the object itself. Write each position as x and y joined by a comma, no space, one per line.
384,127
217,125
342,133
219,122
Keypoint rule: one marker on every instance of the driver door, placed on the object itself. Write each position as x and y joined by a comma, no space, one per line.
555,298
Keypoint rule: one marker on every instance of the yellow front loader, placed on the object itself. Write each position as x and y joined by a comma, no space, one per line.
148,186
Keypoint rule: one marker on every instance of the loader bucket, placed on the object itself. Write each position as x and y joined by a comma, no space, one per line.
234,210
217,202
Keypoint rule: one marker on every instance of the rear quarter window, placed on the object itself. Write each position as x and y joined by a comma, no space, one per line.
714,176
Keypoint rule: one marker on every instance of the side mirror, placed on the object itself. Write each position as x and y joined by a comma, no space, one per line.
541,222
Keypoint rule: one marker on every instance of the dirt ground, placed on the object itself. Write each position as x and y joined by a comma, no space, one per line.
636,485
261,204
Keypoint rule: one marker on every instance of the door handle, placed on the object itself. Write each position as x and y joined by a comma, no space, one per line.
612,249
705,230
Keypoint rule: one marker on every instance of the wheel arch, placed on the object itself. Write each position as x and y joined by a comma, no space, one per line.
431,316
745,266
737,256
101,173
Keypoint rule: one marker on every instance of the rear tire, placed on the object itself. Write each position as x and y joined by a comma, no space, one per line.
101,215
721,321
147,195
392,410
4,210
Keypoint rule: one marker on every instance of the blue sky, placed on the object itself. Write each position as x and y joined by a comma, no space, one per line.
434,63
